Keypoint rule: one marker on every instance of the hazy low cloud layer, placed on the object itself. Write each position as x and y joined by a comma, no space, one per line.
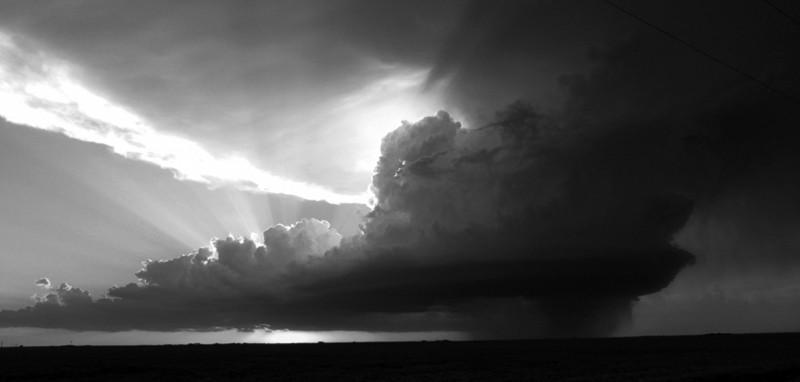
538,224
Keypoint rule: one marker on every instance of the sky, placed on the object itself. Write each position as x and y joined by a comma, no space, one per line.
289,171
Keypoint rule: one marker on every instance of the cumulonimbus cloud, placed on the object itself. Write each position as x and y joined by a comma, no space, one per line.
450,225
554,222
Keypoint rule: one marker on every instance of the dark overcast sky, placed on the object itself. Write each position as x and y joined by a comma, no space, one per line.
588,174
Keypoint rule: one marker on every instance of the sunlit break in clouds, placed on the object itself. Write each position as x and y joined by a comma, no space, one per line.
38,91
381,106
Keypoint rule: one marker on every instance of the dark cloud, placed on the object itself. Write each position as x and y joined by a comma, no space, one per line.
502,51
723,307
727,142
551,223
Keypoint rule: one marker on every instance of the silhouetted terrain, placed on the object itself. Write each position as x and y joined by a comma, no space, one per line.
763,357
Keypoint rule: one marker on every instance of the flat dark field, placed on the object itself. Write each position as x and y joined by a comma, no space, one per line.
761,357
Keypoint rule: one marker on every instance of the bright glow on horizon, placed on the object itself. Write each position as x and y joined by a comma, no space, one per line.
36,90
290,336
60,337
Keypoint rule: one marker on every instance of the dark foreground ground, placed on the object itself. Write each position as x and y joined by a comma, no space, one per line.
762,357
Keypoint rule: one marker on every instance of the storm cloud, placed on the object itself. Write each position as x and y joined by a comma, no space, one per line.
537,222
530,213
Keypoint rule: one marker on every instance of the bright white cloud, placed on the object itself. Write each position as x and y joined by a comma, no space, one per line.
38,91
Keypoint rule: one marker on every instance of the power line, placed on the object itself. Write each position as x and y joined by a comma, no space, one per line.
783,13
676,38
